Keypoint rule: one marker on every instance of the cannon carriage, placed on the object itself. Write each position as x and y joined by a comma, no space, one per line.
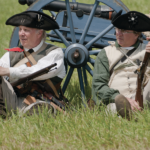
82,28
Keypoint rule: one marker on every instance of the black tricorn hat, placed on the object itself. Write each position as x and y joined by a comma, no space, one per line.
132,20
33,19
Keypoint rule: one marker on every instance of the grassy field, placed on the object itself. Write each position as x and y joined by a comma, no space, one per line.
79,129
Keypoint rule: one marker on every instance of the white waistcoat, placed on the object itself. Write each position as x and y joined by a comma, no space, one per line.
123,77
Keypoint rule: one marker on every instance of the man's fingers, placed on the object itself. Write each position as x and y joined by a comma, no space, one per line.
148,38
148,47
136,106
132,107
148,51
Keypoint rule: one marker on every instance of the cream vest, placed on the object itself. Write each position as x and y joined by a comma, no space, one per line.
123,77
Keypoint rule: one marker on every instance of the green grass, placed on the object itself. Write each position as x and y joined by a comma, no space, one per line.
82,129
79,129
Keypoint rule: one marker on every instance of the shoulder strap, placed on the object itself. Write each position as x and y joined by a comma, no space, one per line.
49,82
30,58
22,61
122,60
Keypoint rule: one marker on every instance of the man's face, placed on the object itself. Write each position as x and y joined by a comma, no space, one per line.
126,38
29,37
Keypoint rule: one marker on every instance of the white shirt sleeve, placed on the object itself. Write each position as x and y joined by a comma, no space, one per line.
55,56
5,60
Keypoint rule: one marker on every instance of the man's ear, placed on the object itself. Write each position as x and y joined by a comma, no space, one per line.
40,33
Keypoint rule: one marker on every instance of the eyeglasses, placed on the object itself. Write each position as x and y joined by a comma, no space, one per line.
123,31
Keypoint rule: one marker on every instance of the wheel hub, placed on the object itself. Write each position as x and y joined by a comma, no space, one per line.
76,55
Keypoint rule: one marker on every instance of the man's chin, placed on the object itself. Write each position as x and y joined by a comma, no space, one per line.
23,44
120,42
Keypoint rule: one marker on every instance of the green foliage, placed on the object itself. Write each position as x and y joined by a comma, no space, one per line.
8,8
80,128
138,5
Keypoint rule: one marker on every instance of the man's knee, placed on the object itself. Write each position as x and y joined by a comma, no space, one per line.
123,107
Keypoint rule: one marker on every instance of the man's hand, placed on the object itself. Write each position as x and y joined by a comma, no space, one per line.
4,71
148,45
134,105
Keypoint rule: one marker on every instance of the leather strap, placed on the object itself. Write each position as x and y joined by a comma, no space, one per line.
22,61
122,59
29,100
30,58
49,82
57,86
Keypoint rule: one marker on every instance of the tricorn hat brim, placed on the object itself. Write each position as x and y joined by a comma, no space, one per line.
132,20
33,19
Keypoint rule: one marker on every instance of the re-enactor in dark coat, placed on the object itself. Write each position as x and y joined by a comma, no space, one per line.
15,65
117,87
